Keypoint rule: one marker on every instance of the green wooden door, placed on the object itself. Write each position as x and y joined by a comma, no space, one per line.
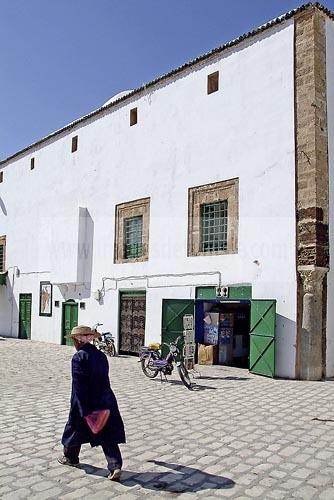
70,319
262,337
173,311
25,300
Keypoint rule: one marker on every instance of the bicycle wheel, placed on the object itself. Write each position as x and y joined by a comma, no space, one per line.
113,349
184,375
149,370
110,349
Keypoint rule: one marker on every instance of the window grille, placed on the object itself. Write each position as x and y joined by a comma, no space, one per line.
2,258
214,226
133,237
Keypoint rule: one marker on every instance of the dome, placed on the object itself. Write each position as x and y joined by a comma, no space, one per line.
116,97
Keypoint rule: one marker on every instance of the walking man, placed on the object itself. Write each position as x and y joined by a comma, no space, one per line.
91,399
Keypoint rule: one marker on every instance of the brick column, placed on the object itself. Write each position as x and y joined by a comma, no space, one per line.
311,189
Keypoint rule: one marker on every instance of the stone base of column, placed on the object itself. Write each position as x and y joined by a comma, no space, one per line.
309,338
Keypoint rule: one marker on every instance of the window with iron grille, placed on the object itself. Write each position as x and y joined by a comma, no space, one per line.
213,218
214,226
133,237
132,223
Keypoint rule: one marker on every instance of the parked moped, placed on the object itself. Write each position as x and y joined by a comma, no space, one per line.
153,363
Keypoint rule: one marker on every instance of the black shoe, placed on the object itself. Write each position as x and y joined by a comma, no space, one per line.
66,461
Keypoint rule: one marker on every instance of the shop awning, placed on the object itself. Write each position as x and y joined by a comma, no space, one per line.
3,278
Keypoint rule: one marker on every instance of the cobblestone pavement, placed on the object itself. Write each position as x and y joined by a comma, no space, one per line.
238,435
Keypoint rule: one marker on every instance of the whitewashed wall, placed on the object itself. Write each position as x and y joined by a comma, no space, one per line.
330,119
183,138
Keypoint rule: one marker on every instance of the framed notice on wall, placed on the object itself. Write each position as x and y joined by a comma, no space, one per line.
45,298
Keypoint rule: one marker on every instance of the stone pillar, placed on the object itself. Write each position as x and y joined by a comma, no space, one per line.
310,339
312,180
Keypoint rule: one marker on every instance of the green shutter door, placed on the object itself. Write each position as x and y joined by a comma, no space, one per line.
262,337
25,300
70,320
173,311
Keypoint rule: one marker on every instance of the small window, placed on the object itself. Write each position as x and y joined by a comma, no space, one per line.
1,176
133,237
133,116
57,303
214,226
74,143
32,163
83,305
213,82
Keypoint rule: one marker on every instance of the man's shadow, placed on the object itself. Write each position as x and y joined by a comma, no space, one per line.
180,479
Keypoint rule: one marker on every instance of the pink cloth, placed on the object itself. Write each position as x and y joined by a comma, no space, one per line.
97,420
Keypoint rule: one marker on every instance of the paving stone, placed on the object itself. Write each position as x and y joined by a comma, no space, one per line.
51,493
78,493
305,492
177,440
320,480
19,493
42,485
327,494
276,494
4,489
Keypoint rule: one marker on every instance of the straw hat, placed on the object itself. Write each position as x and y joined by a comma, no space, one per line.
78,331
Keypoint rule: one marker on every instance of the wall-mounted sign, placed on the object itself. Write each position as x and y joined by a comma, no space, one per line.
45,298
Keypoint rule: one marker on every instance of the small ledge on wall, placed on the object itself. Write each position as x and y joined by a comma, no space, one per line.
74,291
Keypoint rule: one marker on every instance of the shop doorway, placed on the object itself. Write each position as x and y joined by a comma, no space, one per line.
227,326
69,320
25,301
241,331
132,322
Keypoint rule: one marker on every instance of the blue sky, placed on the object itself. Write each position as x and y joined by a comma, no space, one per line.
60,59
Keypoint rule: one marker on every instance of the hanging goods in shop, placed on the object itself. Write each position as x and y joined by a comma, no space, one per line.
189,341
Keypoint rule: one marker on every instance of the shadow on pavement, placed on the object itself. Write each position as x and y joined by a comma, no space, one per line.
323,419
195,387
180,479
223,378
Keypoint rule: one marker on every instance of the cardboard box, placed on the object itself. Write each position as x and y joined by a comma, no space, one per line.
211,327
207,354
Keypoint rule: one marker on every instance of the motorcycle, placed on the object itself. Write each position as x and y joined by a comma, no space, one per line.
153,363
105,341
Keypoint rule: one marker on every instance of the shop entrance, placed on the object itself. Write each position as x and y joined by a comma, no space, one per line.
132,322
239,333
226,326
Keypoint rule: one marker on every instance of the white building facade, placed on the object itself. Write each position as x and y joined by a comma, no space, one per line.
113,212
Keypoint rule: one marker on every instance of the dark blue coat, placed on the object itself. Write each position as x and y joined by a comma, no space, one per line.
91,391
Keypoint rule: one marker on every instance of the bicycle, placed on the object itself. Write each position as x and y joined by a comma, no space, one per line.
153,363
105,342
